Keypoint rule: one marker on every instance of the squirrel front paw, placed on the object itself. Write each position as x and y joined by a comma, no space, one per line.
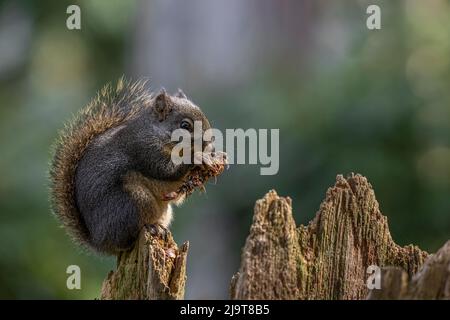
210,159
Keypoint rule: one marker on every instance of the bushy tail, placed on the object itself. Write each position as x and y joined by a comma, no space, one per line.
111,107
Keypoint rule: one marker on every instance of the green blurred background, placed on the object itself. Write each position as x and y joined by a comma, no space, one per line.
346,99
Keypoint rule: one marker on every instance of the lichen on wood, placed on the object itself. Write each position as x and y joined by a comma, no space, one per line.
328,258
154,269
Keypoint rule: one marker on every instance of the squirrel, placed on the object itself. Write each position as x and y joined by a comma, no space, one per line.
112,173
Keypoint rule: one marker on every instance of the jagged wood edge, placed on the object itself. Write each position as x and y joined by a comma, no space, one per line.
432,281
326,259
154,269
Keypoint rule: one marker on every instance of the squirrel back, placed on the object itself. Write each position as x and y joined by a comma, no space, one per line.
111,107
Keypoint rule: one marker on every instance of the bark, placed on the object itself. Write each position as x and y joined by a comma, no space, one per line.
153,269
328,258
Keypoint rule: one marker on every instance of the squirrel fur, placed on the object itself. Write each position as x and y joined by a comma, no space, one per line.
112,165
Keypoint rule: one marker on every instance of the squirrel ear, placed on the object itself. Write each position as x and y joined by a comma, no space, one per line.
180,94
163,104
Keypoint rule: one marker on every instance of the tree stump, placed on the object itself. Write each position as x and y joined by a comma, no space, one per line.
327,259
154,269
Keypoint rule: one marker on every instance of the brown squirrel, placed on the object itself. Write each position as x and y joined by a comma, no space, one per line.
112,173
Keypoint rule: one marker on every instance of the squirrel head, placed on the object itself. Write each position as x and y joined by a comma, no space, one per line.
177,112
149,135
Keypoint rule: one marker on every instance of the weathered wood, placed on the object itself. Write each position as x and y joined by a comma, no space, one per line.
153,269
432,281
327,259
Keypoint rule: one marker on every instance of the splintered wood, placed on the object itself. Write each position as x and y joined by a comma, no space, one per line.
328,258
154,269
432,281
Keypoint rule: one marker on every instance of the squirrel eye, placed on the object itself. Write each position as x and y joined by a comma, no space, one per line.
186,124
